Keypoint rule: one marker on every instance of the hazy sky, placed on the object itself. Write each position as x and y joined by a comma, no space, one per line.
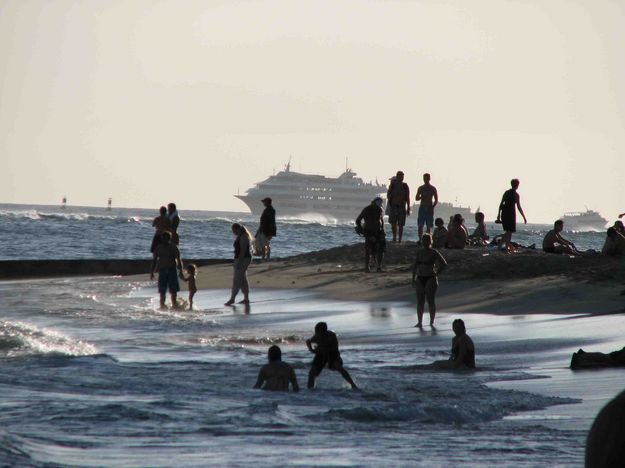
191,101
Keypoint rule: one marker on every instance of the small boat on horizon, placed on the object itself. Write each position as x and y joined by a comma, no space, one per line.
588,220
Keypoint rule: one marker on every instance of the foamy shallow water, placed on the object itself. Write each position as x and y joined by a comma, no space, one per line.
92,374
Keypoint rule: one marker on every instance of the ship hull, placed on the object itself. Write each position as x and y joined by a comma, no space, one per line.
289,207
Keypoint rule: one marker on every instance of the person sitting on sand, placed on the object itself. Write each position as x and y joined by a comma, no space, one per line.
326,353
242,259
167,255
276,375
191,271
620,228
373,232
161,224
428,264
462,350
614,245
458,234
581,359
555,243
479,236
439,236
605,445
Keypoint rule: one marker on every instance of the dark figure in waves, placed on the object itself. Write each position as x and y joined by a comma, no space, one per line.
462,350
277,374
373,232
327,353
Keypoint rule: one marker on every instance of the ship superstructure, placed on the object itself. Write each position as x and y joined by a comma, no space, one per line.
584,221
296,194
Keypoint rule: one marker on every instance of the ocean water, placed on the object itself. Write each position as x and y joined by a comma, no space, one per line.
49,232
93,374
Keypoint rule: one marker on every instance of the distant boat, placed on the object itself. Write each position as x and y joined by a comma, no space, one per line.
588,220
64,203
445,210
297,194
109,206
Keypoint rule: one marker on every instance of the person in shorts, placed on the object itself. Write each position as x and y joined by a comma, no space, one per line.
167,257
327,353
427,196
398,199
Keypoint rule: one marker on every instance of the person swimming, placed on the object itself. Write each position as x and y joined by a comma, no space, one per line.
276,375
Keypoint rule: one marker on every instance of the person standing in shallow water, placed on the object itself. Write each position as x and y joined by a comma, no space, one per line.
326,353
398,199
277,374
167,256
428,264
242,260
506,215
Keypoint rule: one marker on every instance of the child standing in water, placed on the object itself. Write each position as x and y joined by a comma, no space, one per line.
191,271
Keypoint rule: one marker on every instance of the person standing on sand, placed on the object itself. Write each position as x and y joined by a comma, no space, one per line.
167,255
428,264
266,229
277,374
427,196
161,224
327,353
242,259
398,199
373,232
506,215
174,219
554,243
462,350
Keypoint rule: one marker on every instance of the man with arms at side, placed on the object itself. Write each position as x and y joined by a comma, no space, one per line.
427,196
277,374
167,256
398,199
462,350
555,243
506,215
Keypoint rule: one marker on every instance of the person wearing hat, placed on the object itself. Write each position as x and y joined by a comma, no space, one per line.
373,232
266,229
458,234
398,197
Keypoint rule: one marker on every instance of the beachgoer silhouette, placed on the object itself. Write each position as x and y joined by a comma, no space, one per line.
462,350
506,215
439,236
266,229
398,199
605,445
190,279
326,353
373,232
167,256
242,260
428,198
457,235
553,242
161,224
614,245
428,264
174,218
479,236
277,374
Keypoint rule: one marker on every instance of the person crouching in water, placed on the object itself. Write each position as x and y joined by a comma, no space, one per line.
326,352
373,232
167,255
462,350
277,374
242,259
190,279
428,264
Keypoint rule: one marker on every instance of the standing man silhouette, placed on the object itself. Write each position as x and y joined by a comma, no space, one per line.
506,215
428,198
398,196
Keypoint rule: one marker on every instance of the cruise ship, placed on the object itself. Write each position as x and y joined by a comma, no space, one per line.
300,195
588,220
445,210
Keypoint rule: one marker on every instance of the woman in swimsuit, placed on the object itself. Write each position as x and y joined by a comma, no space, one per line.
428,264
